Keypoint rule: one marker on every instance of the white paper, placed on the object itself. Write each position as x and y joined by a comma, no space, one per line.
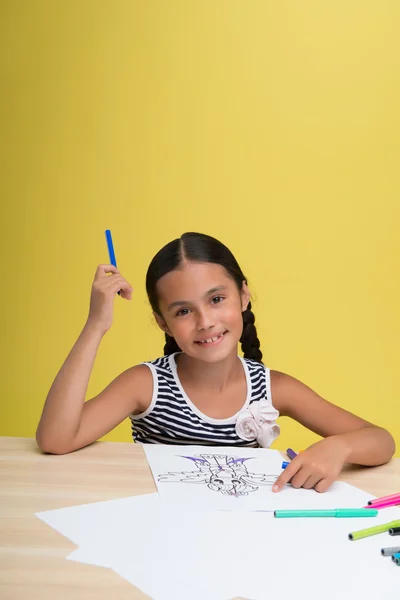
88,521
252,555
209,479
165,553
186,552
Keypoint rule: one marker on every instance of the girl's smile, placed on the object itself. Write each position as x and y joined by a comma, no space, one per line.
211,341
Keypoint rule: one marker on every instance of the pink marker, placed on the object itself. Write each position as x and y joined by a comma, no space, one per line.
384,498
384,503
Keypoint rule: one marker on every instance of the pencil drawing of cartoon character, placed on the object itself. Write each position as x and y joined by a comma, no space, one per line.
222,473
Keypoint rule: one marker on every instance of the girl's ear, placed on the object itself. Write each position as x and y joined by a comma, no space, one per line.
245,296
162,324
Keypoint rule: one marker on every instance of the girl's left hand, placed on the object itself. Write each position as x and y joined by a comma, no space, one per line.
317,467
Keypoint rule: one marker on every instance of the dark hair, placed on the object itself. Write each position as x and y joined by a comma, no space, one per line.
197,247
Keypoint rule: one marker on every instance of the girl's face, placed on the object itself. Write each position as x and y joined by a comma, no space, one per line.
202,308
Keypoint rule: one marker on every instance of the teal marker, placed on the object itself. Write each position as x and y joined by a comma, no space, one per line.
336,512
396,558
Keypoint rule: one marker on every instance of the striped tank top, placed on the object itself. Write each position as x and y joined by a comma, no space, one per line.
172,418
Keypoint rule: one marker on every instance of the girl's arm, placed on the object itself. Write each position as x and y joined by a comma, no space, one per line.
68,422
348,437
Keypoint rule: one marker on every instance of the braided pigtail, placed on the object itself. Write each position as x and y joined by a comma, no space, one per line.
170,345
249,340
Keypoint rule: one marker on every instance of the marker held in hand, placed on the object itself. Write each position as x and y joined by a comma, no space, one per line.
111,252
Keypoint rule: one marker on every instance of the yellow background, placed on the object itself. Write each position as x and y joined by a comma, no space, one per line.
273,126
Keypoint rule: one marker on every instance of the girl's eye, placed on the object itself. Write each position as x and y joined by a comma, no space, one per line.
182,312
217,299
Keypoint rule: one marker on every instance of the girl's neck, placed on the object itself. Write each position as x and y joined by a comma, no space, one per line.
214,376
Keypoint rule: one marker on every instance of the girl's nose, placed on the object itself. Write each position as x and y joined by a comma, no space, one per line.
204,320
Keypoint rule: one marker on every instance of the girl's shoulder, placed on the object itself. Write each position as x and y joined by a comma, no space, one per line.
137,384
291,396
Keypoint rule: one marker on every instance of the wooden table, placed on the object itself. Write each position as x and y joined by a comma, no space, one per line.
32,555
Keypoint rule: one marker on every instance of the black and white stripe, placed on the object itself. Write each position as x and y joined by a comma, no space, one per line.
172,419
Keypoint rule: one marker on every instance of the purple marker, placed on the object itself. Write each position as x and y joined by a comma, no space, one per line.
291,453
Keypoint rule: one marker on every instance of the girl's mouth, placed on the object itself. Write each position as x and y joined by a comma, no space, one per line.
211,341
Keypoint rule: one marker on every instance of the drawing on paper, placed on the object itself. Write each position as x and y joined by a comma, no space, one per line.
221,473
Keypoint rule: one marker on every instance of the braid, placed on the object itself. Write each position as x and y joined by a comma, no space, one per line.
249,340
170,345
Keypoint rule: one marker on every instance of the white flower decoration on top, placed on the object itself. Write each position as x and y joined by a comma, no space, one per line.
257,422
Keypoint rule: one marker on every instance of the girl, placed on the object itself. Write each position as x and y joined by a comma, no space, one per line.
200,391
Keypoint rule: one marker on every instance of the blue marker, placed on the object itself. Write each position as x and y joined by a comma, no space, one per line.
285,464
110,247
111,252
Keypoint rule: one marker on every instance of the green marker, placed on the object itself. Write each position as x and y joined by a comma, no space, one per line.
336,512
358,535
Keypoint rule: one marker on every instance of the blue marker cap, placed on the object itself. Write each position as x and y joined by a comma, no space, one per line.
285,464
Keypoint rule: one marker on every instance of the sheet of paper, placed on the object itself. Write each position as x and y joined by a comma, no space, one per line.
233,553
175,552
178,553
227,554
235,479
166,552
82,522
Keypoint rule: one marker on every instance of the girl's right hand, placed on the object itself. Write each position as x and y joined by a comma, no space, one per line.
104,289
